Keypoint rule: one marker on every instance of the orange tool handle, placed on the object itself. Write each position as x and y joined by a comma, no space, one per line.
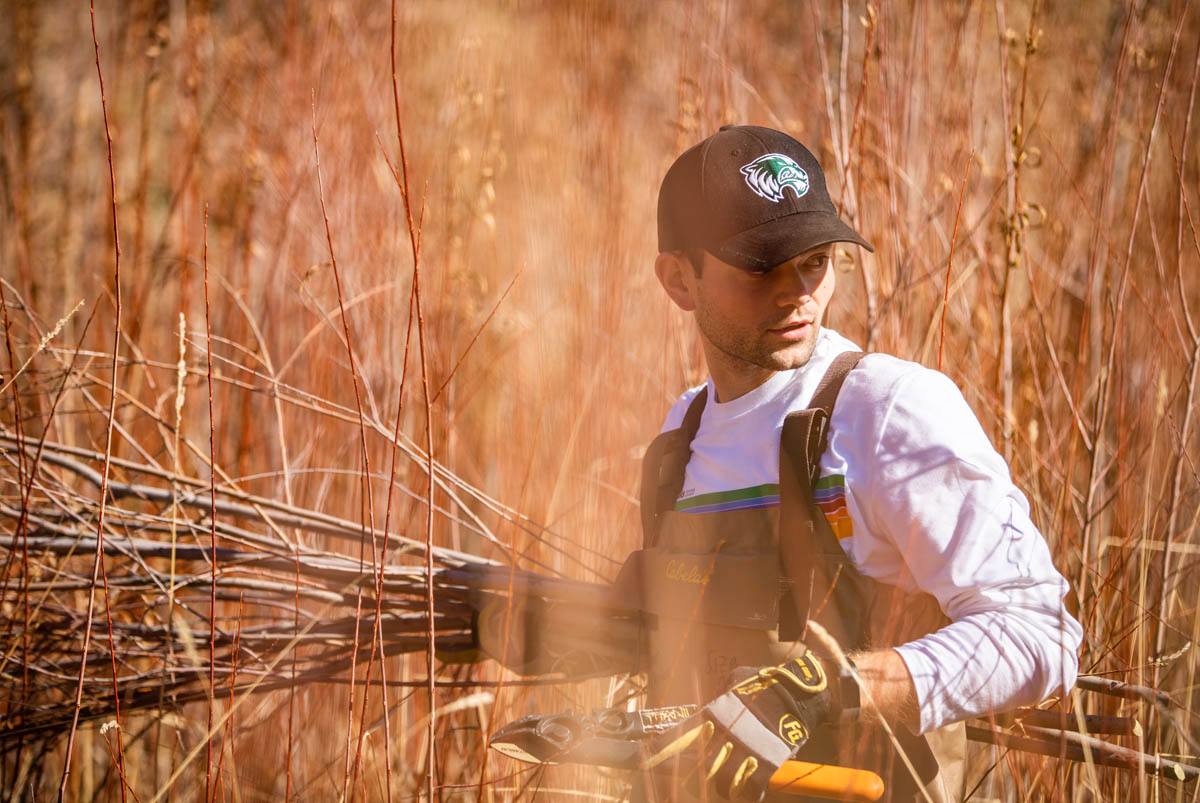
828,781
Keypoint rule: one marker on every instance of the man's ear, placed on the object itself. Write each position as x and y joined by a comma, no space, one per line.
678,278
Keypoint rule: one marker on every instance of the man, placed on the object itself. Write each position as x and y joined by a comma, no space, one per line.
908,541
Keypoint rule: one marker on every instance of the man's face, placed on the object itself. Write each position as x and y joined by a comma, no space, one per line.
766,319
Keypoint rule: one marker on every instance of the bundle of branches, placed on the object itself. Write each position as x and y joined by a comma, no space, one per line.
292,614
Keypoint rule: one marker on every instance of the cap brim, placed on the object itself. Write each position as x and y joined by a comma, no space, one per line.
776,241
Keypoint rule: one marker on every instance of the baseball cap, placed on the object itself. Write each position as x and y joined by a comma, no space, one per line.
752,197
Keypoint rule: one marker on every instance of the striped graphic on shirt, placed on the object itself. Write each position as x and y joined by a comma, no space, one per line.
740,499
830,495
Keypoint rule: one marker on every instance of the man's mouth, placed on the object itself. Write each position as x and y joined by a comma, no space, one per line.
791,331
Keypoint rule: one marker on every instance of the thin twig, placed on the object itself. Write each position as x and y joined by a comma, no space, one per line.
414,238
950,259
98,565
212,489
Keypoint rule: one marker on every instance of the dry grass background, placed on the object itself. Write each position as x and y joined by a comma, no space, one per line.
535,135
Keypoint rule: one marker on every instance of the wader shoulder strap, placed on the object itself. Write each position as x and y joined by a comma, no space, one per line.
663,468
804,438
805,432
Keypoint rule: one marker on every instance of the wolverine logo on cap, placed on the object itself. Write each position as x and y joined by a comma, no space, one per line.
769,174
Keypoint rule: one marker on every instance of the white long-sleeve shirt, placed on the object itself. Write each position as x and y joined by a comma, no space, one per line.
920,499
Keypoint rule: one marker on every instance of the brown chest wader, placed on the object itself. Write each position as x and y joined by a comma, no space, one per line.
726,589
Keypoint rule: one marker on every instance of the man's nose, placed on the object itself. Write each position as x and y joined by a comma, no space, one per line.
793,285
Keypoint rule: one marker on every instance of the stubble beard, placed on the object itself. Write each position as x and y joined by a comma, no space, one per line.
752,347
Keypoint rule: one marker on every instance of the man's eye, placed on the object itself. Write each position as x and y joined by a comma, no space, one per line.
819,261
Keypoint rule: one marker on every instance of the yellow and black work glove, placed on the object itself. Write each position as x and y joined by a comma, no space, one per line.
741,738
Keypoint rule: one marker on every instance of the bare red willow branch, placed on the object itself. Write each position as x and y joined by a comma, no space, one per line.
414,238
1092,334
27,492
387,517
212,489
1105,383
369,519
98,565
1194,362
230,733
950,259
23,524
475,337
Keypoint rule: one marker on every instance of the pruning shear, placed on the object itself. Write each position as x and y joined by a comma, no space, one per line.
615,738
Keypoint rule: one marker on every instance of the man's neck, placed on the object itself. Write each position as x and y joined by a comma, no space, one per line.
731,377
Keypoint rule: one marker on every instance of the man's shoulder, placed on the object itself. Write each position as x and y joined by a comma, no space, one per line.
887,398
680,407
879,376
876,380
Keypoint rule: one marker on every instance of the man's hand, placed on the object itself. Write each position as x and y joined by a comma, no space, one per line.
534,636
508,630
748,732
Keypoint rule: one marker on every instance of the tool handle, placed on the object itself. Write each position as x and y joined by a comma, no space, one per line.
827,781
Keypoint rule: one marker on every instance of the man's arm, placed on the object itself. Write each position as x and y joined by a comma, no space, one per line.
887,688
942,515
